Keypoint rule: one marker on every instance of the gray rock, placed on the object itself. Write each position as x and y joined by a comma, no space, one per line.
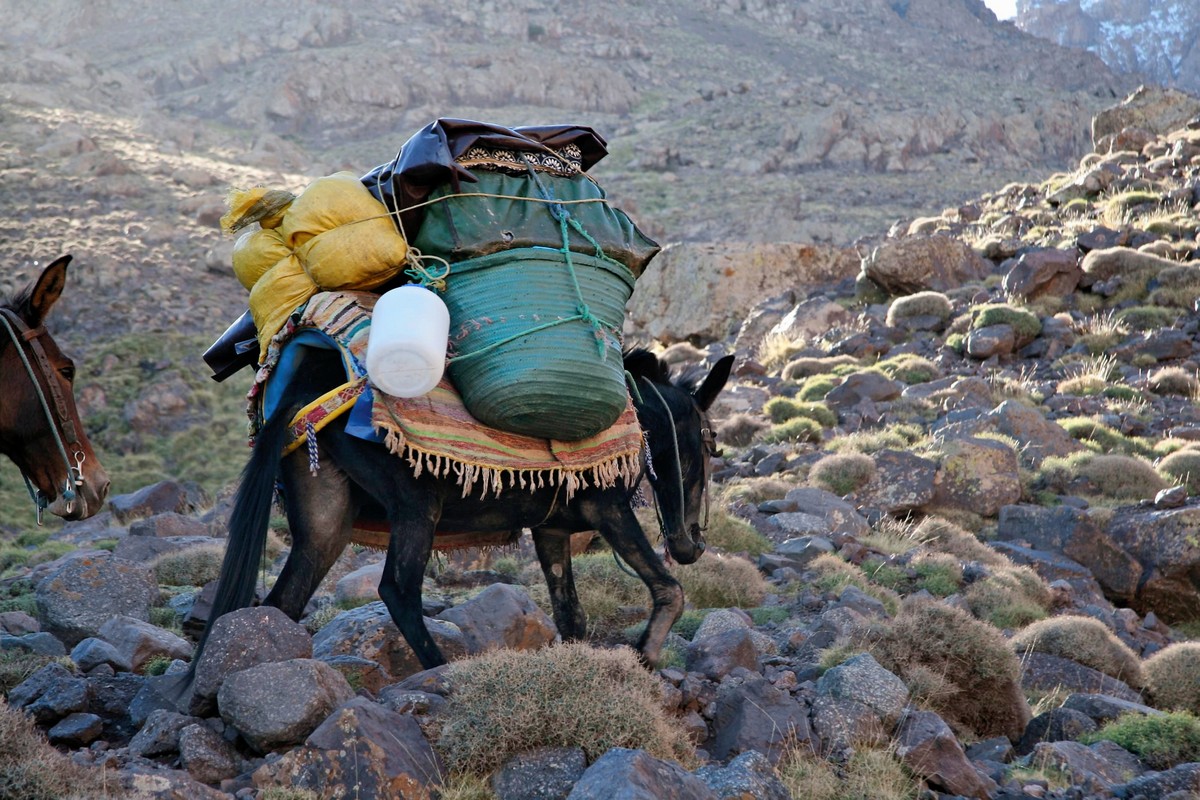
977,475
158,498
44,644
756,715
859,386
18,623
622,774
1178,783
547,773
169,523
840,516
721,620
798,551
1102,708
138,641
862,680
913,264
144,549
998,749
902,482
160,735
76,599
243,639
926,745
37,684
842,725
1044,271
991,340
368,632
501,616
1097,768
717,655
1042,671
361,584
1055,725
277,704
1163,542
92,652
76,730
750,775
61,698
206,755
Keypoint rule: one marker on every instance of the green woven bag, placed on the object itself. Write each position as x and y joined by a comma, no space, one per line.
522,358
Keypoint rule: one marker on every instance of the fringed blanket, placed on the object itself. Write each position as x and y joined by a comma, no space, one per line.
435,433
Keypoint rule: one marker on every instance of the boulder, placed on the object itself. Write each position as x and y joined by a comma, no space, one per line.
725,280
242,639
169,524
924,263
368,632
717,655
842,725
1096,768
277,704
361,749
1043,271
637,775
1151,108
1044,672
977,475
902,482
750,775
137,642
926,745
1055,725
1165,544
862,680
206,755
547,773
158,498
78,597
160,735
754,714
361,584
836,515
501,616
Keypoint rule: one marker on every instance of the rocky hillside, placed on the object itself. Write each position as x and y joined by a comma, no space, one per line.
953,553
1153,38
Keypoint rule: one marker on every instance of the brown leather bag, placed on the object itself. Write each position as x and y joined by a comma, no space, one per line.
236,348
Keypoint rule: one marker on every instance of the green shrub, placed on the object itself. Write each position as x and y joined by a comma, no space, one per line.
832,574
507,702
1084,640
869,774
943,536
686,626
920,304
1184,467
799,429
754,490
975,674
732,535
1010,597
1161,741
1172,677
910,369
940,574
816,387
605,591
843,473
1026,325
802,368
782,409
893,437
1100,437
721,581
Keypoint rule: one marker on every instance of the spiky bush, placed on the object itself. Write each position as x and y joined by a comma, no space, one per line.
816,387
1084,640
843,473
721,581
802,368
754,490
604,591
1161,741
30,769
1172,677
1025,325
1173,381
893,437
869,774
921,304
978,675
832,574
799,429
570,695
1184,467
1100,437
740,430
943,536
1122,477
910,369
1011,596
194,566
1147,318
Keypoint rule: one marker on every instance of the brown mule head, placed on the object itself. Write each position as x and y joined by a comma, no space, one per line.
40,429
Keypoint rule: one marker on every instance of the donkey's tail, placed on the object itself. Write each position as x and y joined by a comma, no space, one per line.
248,523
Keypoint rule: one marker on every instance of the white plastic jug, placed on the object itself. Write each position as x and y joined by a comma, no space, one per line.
406,349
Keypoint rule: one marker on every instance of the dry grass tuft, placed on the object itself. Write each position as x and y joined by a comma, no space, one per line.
194,566
1172,677
721,581
568,695
843,473
1011,597
30,769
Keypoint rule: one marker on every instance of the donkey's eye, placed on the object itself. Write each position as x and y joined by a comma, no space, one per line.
68,372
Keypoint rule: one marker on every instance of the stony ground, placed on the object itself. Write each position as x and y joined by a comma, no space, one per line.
953,554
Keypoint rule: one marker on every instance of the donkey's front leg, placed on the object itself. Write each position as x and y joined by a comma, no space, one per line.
625,535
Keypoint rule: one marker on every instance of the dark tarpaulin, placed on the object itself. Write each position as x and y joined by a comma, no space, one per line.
428,159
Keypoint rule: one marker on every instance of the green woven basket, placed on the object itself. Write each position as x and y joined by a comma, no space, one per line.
515,370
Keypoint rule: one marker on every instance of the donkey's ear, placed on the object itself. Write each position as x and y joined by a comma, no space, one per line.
47,290
714,383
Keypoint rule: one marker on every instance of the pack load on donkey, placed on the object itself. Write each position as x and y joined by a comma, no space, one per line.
505,225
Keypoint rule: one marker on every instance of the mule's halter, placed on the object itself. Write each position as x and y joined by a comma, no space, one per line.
62,424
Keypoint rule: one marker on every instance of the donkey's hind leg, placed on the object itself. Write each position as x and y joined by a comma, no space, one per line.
624,534
320,511
554,553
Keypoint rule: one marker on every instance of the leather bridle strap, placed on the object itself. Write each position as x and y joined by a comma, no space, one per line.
62,425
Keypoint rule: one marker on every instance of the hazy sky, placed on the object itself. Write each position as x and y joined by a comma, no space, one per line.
1004,9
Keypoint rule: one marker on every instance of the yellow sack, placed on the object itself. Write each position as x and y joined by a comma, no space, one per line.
343,235
261,205
279,292
255,252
